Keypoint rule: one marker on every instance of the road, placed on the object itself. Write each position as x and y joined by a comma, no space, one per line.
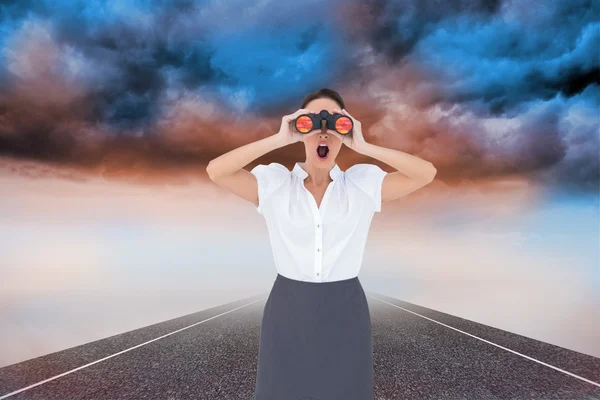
419,354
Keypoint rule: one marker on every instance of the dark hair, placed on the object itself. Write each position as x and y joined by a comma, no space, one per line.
324,92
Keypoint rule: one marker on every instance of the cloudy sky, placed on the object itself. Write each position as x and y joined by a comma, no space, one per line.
110,111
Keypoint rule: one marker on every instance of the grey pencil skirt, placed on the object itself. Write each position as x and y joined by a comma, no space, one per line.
315,342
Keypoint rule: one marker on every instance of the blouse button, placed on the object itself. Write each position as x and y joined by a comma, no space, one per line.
318,249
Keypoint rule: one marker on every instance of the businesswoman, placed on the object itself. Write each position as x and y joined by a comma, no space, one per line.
315,338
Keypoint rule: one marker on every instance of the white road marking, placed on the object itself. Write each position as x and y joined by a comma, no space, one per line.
121,352
245,305
494,344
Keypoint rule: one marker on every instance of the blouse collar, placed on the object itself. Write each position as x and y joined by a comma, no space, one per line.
333,173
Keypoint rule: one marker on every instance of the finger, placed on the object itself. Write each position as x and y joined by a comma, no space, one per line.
347,113
290,117
296,114
309,134
341,137
305,135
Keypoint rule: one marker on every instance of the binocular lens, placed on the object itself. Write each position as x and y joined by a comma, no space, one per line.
304,124
343,125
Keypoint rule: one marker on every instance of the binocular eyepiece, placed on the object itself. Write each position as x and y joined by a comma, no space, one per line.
340,123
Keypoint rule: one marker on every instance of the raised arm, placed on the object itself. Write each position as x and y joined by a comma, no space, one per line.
227,170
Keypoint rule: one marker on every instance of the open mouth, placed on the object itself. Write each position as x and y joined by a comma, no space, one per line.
322,152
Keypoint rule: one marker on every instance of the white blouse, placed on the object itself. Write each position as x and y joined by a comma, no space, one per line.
318,244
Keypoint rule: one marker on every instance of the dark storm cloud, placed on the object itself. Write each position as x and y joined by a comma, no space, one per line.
534,62
152,46
397,26
496,54
178,82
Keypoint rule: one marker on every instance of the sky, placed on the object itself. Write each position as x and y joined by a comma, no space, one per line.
110,111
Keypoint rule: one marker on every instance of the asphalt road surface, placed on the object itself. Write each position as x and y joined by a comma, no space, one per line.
419,354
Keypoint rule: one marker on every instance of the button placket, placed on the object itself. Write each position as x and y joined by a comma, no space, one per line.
318,215
319,246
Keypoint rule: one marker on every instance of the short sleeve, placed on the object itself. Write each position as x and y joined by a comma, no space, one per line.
269,177
369,178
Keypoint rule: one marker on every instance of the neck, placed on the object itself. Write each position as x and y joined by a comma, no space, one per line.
316,176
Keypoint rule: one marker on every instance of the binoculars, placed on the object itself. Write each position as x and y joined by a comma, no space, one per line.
337,122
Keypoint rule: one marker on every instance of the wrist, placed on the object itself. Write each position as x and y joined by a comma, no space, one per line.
362,147
278,140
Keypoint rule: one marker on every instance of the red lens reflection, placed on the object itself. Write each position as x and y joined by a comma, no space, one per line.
304,124
343,125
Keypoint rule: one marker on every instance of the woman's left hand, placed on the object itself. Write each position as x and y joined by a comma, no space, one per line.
355,140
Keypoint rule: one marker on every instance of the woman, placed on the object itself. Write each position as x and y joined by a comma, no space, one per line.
315,339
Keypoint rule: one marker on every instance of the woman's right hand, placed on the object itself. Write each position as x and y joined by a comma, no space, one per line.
287,132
